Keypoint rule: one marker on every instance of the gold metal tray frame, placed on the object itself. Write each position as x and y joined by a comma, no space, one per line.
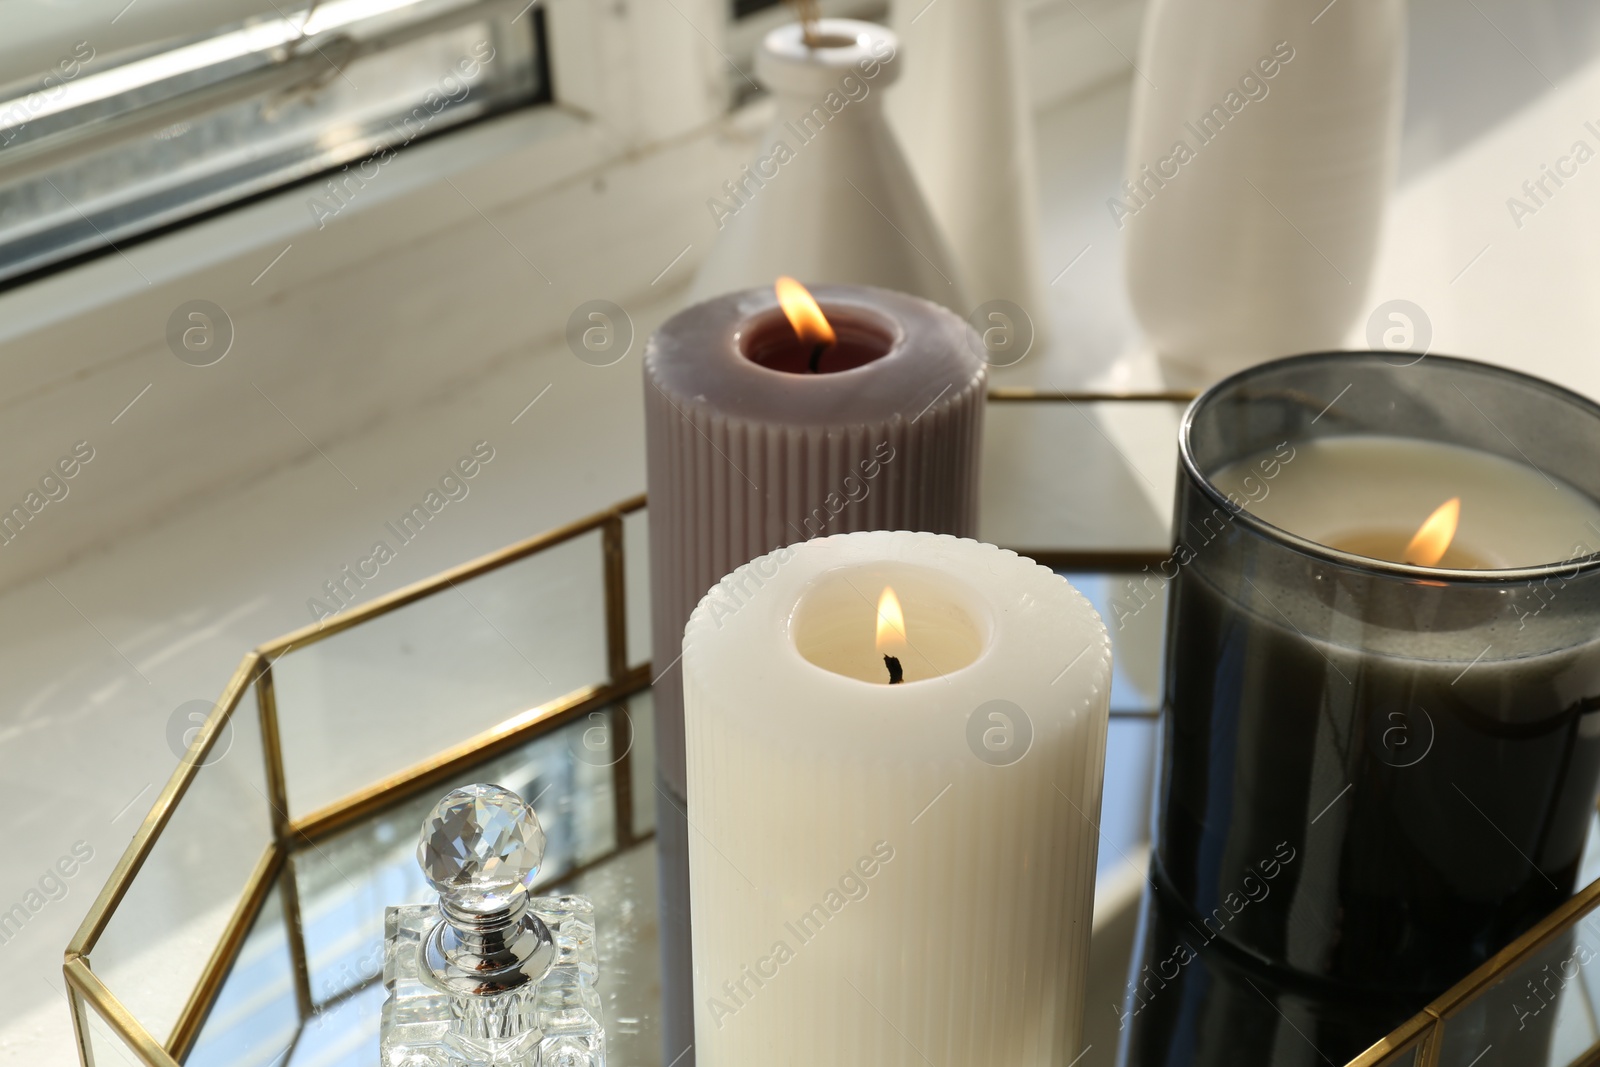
1422,1036
86,992
1417,1041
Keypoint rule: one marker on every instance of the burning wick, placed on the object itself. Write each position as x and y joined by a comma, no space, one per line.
809,323
816,356
1433,537
891,634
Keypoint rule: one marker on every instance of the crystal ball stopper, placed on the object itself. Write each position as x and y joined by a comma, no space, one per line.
481,848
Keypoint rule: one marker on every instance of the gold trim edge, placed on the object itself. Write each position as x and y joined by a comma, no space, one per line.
144,839
321,631
201,999
521,727
85,983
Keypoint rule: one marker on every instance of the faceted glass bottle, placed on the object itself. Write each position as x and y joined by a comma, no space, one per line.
491,976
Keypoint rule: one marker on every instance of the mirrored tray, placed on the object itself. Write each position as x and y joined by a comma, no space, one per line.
243,925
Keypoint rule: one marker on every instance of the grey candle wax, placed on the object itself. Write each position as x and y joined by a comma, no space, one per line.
749,451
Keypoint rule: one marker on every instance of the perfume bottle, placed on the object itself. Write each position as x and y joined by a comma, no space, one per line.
490,976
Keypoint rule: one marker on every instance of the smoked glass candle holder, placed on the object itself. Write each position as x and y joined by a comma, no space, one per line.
1375,774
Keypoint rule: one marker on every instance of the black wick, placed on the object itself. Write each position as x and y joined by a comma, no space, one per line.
896,675
816,356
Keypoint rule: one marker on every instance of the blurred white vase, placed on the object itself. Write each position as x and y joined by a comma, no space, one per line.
962,112
830,196
1260,155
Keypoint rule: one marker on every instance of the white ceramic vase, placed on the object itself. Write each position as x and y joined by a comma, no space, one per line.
961,110
1262,148
829,196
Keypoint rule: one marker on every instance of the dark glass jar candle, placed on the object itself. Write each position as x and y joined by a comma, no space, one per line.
1377,773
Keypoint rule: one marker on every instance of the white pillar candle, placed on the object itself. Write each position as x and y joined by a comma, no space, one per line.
893,874
1370,493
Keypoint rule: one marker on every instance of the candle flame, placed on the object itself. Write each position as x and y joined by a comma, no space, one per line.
803,313
1433,537
891,624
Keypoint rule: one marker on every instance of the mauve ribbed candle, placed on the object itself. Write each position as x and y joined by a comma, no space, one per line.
745,459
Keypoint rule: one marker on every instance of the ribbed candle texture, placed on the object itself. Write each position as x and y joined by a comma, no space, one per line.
877,878
744,459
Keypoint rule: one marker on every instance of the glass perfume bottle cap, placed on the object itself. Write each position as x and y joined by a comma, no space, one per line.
481,848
